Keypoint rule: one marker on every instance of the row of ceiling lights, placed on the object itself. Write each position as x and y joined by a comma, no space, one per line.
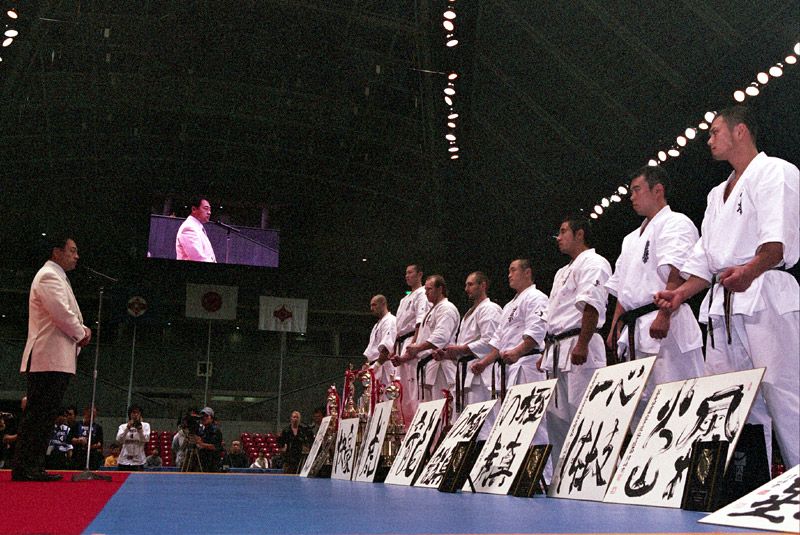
448,23
9,33
752,90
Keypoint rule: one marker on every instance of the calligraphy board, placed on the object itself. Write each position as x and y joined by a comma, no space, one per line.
591,450
418,439
465,429
370,453
315,447
653,469
773,506
516,424
344,452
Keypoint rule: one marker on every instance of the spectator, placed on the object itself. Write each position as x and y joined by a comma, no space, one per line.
153,460
261,461
72,422
80,439
113,457
316,420
236,457
134,435
59,451
179,444
209,441
9,436
292,441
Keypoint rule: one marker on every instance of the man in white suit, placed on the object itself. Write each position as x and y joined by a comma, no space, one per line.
55,335
191,242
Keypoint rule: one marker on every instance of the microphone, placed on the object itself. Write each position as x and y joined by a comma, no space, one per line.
99,274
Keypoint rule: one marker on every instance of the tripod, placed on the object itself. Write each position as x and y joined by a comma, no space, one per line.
191,461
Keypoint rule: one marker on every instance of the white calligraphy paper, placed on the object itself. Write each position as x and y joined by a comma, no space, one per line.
373,442
344,452
416,443
315,447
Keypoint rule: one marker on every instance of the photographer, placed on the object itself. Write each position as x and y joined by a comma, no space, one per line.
208,441
133,435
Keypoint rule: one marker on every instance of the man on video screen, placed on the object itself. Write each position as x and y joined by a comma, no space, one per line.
192,243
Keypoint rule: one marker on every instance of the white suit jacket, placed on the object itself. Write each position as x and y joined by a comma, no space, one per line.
55,323
191,243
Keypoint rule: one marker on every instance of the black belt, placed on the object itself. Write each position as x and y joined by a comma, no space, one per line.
502,364
421,374
629,319
461,376
398,343
552,340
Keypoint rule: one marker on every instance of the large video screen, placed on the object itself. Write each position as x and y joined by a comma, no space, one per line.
212,242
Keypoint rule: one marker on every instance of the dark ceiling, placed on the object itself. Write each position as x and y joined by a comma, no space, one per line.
323,113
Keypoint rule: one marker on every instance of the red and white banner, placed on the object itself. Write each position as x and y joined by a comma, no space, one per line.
211,301
282,314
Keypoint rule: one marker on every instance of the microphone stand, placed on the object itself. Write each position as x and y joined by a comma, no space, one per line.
87,474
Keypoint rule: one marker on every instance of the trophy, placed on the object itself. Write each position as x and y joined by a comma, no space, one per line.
349,410
396,428
322,464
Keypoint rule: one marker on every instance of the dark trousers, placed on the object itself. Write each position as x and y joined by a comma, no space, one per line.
45,395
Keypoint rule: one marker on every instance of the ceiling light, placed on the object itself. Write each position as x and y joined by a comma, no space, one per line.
652,163
454,156
449,14
453,149
797,48
615,198
598,209
11,14
791,60
452,76
776,71
8,41
674,153
451,43
709,116
451,125
449,91
690,133
605,202
681,141
453,116
662,156
449,26
593,216
762,78
703,126
448,101
751,90
450,137
738,95
11,33
622,190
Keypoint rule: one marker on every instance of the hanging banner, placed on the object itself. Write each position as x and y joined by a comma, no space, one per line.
211,301
282,314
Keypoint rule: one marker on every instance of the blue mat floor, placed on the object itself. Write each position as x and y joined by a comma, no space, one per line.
258,503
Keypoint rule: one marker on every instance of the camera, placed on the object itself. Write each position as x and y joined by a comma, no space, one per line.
191,422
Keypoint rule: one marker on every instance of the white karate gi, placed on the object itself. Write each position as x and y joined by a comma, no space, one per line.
579,283
410,312
438,328
763,207
642,269
476,330
382,336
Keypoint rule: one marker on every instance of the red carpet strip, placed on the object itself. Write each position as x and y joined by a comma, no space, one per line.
58,507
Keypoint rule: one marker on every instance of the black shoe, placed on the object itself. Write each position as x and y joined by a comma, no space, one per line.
34,476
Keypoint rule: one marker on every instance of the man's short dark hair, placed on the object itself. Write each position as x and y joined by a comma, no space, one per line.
417,267
480,278
653,174
438,282
320,410
135,407
49,242
578,222
741,115
195,201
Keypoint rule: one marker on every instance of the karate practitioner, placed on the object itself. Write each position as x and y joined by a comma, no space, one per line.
381,340
651,258
476,329
517,342
750,234
438,329
577,306
410,312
